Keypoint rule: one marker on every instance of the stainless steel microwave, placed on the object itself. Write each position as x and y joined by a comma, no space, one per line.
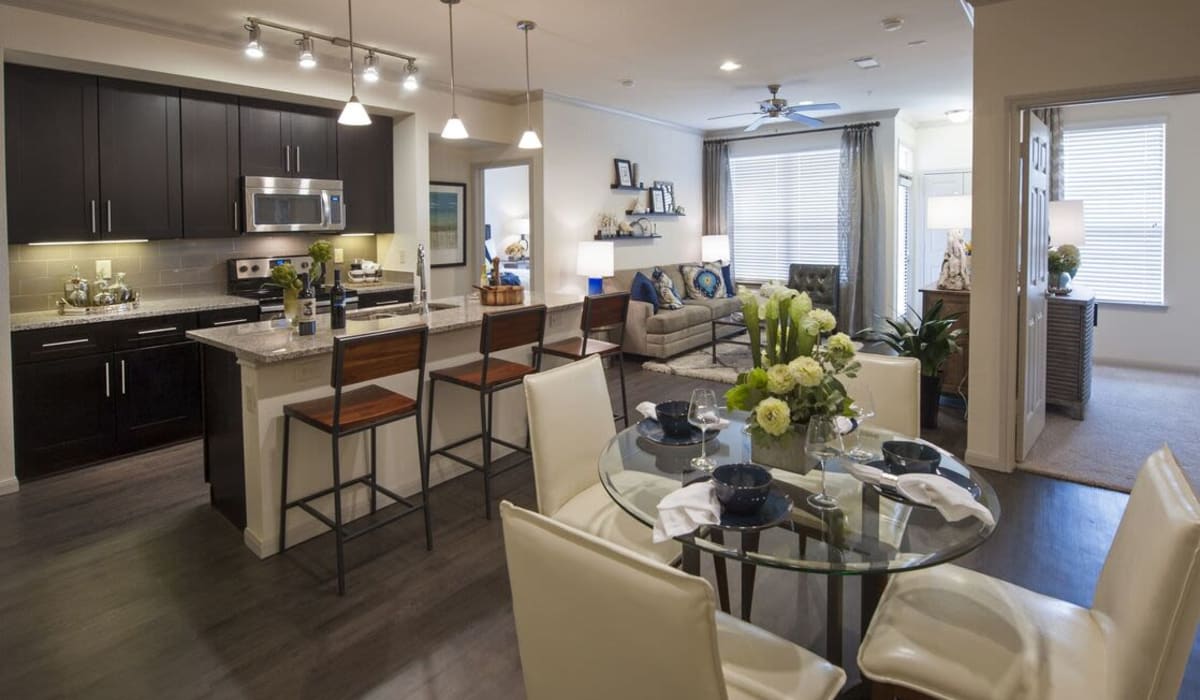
282,204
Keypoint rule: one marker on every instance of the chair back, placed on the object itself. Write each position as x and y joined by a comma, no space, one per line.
511,329
822,283
596,622
570,423
1149,589
361,358
895,384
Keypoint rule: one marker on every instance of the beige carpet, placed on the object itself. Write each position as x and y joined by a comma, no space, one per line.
1132,413
698,364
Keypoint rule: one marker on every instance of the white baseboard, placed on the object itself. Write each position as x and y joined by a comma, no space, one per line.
9,485
983,460
1137,364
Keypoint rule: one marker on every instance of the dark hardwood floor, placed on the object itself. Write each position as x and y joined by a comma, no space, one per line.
120,581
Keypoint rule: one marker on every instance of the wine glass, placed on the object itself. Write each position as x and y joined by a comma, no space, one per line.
704,413
823,442
864,410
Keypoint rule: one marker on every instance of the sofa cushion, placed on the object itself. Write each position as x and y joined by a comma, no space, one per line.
668,297
727,275
669,321
642,289
703,281
721,306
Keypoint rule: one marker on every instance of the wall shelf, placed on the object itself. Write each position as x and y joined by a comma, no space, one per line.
651,213
627,238
623,188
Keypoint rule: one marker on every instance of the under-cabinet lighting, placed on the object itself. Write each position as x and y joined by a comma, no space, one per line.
355,235
124,240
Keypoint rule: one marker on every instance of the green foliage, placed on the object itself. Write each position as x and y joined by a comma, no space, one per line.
1064,258
930,338
284,276
321,251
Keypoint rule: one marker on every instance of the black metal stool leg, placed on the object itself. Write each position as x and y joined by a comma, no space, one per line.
424,461
337,517
429,433
624,402
373,481
283,483
749,544
485,422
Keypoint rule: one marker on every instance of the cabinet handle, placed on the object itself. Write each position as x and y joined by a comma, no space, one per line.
93,216
108,205
235,216
297,159
287,154
107,381
231,321
152,331
60,343
122,377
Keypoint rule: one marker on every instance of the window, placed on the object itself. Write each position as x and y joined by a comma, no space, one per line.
784,211
1118,172
904,228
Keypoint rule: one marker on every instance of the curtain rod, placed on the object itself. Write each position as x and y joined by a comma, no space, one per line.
861,125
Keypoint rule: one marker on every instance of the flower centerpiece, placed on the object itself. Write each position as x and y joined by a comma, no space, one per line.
795,376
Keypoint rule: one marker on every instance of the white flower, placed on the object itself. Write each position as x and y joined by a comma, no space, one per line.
810,325
824,319
803,302
841,347
807,371
773,416
780,380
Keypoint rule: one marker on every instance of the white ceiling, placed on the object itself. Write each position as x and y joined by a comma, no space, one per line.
670,48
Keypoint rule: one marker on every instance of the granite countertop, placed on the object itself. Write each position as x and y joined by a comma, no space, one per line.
372,287
31,320
269,342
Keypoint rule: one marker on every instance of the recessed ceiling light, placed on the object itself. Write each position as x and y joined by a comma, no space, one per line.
959,116
628,82
730,66
918,42
865,62
891,24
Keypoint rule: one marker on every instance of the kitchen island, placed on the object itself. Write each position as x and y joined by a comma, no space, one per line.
251,371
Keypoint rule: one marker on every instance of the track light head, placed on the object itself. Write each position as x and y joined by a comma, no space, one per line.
254,42
307,59
410,76
371,67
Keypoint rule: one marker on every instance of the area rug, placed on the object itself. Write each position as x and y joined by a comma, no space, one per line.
1131,414
698,364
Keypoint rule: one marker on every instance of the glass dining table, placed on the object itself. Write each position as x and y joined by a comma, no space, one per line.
870,534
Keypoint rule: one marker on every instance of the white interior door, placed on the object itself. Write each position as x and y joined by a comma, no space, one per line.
1035,244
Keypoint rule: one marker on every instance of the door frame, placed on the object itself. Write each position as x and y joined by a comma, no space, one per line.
1011,372
479,209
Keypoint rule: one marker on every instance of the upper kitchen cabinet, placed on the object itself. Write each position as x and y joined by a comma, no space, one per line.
210,160
139,160
287,141
52,157
365,168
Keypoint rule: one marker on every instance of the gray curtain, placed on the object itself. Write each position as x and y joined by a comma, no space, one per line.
717,188
1052,117
860,231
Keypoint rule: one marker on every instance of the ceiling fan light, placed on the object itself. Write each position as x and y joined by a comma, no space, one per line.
354,114
530,141
454,130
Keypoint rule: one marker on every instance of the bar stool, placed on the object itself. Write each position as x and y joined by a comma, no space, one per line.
501,330
357,359
599,311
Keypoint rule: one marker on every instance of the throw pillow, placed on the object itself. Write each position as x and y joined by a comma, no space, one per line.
642,289
727,275
668,298
703,281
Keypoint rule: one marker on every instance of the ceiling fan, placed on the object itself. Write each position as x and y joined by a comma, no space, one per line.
777,108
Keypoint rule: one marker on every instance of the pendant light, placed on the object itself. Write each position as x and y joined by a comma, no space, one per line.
529,139
353,114
454,129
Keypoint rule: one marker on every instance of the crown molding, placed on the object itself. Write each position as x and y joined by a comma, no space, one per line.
577,102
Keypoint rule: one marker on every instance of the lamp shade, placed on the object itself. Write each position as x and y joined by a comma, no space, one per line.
948,212
595,259
713,248
519,227
1066,222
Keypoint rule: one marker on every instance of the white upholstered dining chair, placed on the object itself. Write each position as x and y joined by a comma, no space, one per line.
570,423
895,384
948,632
596,622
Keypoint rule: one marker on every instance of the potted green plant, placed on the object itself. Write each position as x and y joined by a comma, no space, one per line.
321,252
795,377
284,276
1062,264
932,339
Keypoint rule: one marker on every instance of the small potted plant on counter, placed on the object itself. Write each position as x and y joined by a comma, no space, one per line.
932,339
321,253
284,276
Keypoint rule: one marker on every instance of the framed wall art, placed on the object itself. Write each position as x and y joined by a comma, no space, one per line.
447,224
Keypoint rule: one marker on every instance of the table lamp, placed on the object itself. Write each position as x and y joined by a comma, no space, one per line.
952,212
1066,223
595,262
714,248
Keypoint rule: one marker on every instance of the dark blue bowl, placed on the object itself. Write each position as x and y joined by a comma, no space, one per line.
673,417
911,457
741,488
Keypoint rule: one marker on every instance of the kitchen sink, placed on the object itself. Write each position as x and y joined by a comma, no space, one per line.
395,311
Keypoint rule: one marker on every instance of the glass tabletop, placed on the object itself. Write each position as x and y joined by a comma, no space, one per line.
867,533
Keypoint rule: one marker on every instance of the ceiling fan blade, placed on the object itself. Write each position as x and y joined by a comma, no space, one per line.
804,119
757,123
739,114
813,108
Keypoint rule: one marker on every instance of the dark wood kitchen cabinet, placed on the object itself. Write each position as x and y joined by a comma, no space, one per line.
365,168
211,161
139,160
64,414
287,141
159,397
53,162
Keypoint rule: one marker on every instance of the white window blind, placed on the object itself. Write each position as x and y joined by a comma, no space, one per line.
784,211
1118,172
904,226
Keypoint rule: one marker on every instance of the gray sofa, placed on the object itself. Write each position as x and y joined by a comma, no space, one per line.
670,331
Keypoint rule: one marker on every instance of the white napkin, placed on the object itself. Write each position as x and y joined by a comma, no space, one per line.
648,410
951,500
683,510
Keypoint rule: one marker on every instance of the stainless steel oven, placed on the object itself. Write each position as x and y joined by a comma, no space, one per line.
282,204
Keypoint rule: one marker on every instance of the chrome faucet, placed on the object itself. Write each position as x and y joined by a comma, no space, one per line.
422,276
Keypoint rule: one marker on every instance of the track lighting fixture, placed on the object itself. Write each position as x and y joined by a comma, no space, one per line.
410,79
370,67
454,129
529,139
307,59
254,43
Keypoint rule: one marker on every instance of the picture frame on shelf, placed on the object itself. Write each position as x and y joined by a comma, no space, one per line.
668,189
624,170
658,201
447,224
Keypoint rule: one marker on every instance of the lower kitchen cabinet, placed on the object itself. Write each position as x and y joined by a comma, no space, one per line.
64,414
159,397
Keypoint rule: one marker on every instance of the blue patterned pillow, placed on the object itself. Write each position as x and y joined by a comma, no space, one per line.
703,281
668,298
642,289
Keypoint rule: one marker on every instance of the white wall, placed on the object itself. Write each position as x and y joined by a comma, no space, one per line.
1025,51
942,146
580,146
1121,337
505,199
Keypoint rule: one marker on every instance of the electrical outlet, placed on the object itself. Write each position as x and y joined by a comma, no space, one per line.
104,269
401,257
339,255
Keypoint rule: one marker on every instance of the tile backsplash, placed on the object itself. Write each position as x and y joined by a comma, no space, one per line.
159,269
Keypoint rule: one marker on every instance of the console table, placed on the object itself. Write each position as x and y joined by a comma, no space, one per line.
1070,337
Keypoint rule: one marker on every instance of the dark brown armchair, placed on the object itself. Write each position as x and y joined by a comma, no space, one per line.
822,282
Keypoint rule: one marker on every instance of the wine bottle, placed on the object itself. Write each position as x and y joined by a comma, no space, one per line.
337,302
308,307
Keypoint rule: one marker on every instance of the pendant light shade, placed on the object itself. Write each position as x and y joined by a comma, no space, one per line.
454,129
353,114
529,139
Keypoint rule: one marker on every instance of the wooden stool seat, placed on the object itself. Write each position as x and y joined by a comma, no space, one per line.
579,348
361,409
470,375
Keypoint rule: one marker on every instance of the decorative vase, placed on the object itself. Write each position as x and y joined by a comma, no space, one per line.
785,452
931,394
291,305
